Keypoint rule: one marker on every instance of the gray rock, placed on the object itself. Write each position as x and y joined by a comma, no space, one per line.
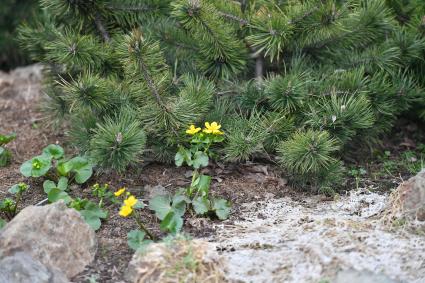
33,73
178,261
22,268
354,276
407,203
53,234
413,197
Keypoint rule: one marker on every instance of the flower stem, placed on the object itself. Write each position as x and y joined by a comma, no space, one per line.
15,208
139,222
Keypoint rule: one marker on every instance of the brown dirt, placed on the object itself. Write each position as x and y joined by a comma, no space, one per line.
19,113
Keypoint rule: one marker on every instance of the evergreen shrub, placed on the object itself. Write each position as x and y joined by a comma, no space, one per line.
302,79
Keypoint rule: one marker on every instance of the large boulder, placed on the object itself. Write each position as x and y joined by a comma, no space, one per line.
22,268
407,205
53,234
176,261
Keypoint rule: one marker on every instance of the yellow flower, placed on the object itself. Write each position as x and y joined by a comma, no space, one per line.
131,201
192,130
119,192
212,128
125,210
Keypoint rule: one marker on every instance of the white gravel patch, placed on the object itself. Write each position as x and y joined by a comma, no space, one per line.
283,240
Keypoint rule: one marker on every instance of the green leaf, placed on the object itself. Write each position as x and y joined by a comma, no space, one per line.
18,188
136,240
54,151
94,210
48,186
221,208
183,155
179,159
93,221
203,185
161,205
82,168
62,169
4,139
56,194
92,214
179,206
2,223
63,183
139,205
26,168
201,205
172,222
217,139
200,159
36,167
14,189
5,156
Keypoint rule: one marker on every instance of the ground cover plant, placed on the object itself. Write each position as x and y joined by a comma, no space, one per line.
306,81
5,154
195,199
59,173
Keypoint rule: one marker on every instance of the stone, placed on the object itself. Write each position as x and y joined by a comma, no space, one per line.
354,276
149,192
55,235
176,261
22,268
407,204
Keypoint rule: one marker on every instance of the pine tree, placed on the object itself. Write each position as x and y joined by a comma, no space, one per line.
301,79
12,13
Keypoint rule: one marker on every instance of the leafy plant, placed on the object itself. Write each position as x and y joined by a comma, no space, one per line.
8,206
92,214
170,210
102,192
136,238
5,154
197,156
57,191
90,211
78,168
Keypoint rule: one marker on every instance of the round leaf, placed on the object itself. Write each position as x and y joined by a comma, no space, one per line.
26,168
82,168
136,240
200,159
221,208
161,205
54,151
57,194
172,222
201,205
48,186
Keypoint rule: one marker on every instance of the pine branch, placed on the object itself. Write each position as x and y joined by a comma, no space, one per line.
101,28
243,22
154,91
